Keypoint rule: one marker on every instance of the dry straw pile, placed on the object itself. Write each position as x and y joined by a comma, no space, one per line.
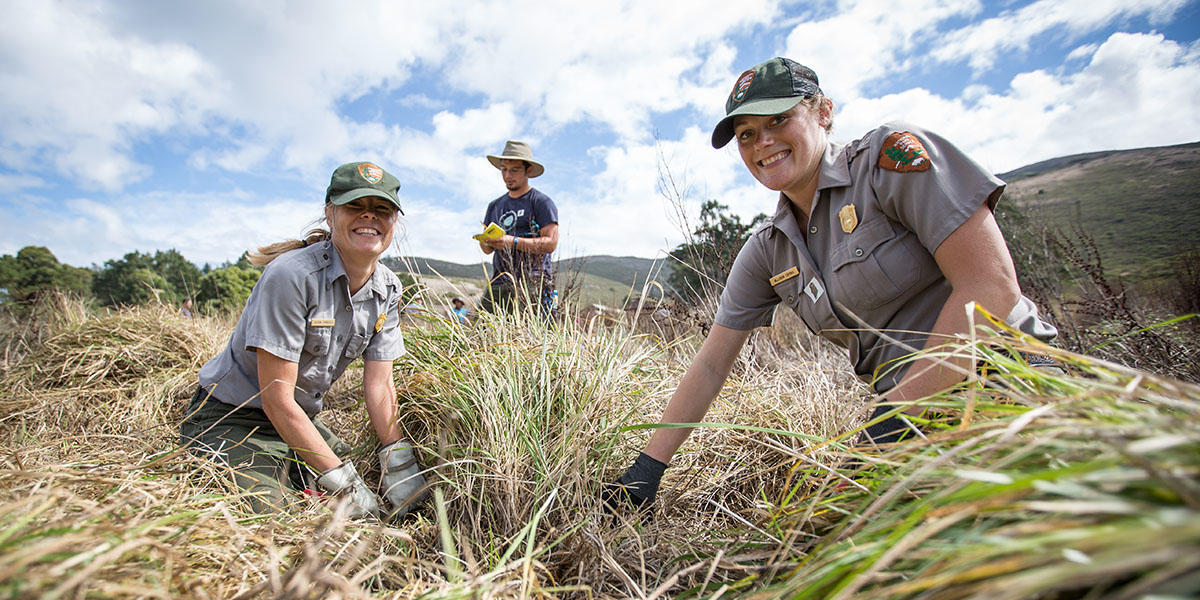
1026,485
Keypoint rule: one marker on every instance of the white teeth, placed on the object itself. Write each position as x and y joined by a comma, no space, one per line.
770,160
366,231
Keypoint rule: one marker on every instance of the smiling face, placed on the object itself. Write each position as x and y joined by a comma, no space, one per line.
784,151
362,228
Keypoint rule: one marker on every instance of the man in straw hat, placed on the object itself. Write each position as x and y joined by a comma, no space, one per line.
530,223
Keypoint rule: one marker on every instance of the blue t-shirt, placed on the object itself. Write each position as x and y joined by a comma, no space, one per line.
523,216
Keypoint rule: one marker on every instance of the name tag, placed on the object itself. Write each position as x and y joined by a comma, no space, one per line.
322,322
784,276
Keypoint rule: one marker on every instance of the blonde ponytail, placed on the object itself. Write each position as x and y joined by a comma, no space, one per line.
266,254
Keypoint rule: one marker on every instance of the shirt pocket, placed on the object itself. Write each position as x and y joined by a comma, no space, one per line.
316,340
357,344
872,267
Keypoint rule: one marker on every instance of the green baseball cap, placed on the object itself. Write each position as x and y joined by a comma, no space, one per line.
355,180
768,88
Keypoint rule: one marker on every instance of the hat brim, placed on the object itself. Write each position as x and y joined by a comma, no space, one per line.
723,132
535,168
355,194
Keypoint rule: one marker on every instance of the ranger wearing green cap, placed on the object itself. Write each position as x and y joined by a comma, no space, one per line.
320,303
892,232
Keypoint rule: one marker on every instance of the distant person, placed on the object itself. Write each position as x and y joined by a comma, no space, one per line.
320,304
529,218
186,309
459,313
895,229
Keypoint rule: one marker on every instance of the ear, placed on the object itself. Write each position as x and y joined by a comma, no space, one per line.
329,207
825,113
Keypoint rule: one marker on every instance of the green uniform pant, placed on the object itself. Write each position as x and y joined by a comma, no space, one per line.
245,440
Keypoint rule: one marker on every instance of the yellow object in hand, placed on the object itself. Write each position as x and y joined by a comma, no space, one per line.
492,232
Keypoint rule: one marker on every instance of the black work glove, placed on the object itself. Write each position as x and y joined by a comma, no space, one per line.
637,487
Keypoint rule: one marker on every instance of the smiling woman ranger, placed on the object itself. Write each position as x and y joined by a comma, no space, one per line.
894,230
320,304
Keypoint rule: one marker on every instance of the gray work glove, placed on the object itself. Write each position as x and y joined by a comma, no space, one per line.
401,480
344,480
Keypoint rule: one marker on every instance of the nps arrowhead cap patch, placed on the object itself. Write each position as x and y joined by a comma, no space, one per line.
371,173
902,152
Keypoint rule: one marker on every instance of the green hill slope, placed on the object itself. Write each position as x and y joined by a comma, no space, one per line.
1141,206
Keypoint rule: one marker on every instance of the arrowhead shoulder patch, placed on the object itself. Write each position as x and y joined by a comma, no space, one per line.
902,152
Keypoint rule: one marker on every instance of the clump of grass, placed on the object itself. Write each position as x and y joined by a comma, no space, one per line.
103,373
1026,484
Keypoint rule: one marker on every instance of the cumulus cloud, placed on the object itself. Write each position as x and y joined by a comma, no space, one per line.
868,40
203,227
78,94
606,92
1128,95
981,43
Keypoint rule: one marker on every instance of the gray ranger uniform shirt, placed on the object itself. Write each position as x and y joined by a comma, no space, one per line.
301,310
884,204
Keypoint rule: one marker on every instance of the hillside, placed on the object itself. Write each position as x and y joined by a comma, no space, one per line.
1141,206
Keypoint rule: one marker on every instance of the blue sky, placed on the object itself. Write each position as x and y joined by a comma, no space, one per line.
212,127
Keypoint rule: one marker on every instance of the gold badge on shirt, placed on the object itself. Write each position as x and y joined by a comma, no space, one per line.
849,218
380,321
784,276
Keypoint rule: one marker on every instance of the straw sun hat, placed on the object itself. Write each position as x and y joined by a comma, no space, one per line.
514,150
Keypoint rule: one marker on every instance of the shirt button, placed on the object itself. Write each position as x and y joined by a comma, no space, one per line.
339,338
791,298
330,369
347,309
317,395
812,229
858,252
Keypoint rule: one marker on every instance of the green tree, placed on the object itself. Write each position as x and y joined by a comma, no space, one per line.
183,276
139,277
707,258
226,288
34,271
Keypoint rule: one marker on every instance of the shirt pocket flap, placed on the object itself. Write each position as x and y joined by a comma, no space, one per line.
358,343
861,243
316,339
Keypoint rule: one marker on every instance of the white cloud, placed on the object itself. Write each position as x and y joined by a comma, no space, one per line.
982,43
610,62
1137,90
203,227
11,183
869,39
96,93
77,94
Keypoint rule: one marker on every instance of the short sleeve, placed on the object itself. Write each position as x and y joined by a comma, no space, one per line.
387,343
545,211
932,201
488,217
276,311
748,300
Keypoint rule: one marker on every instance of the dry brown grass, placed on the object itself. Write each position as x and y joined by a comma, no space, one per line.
519,424
98,500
